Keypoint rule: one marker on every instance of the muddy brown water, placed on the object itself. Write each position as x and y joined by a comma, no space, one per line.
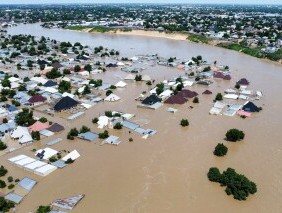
167,172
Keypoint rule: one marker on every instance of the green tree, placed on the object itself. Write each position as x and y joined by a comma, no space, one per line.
234,135
184,122
218,97
220,150
118,126
43,209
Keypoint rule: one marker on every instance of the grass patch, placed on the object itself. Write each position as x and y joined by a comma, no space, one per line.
78,28
199,39
100,29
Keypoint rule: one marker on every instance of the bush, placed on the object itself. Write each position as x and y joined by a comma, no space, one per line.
69,161
84,129
234,135
43,209
138,78
43,120
11,186
130,139
109,114
53,159
2,184
3,171
104,134
236,184
10,179
95,120
3,146
220,150
35,135
218,97
196,100
118,126
184,122
6,205
109,92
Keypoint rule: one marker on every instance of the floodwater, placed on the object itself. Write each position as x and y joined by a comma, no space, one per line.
167,172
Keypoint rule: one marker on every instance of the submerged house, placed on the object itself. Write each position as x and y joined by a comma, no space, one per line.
243,81
152,99
65,103
37,99
250,107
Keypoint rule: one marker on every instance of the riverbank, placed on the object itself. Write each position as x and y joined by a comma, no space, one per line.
180,37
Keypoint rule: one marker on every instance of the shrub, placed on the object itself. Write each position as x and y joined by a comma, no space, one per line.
3,146
218,97
130,139
138,78
104,134
43,209
234,135
196,100
3,171
118,126
2,184
220,150
10,179
35,135
95,120
214,174
184,122
109,92
6,205
10,186
109,114
69,161
84,129
53,159
43,120
17,180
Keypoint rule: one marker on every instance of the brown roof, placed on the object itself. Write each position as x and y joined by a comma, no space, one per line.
36,99
207,92
188,93
176,99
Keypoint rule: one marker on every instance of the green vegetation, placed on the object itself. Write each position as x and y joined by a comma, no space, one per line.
95,120
2,184
35,135
11,186
236,184
255,52
3,171
160,88
196,100
64,86
77,28
69,161
104,134
199,39
100,29
184,122
72,133
234,135
118,126
43,120
218,97
25,117
3,146
43,209
220,150
84,129
54,73
138,78
5,205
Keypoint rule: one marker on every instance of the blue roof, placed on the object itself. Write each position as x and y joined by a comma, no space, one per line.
59,163
27,183
14,197
50,84
11,108
130,125
90,136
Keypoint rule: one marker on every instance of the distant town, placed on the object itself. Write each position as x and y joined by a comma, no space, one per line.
253,30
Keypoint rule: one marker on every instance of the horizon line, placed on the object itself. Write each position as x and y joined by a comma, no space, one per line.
123,3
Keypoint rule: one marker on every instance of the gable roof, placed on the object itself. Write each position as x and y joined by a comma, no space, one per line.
37,98
250,107
207,92
56,65
65,103
152,99
188,93
176,99
243,81
38,126
56,128
50,83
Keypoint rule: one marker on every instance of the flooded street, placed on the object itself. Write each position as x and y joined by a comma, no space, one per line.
168,171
